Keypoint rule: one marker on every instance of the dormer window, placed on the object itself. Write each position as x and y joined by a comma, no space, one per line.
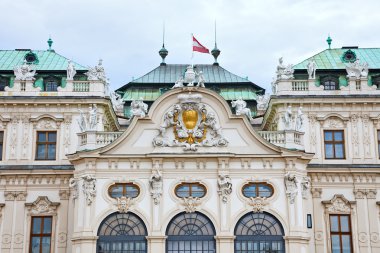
31,58
349,56
3,83
51,84
330,82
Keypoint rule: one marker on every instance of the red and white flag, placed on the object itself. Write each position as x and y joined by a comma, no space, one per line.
199,47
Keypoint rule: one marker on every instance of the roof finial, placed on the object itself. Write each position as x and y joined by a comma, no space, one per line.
163,52
215,52
50,42
329,40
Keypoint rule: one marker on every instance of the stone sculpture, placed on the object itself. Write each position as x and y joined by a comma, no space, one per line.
225,186
201,79
97,73
82,121
288,118
190,76
357,69
305,186
262,102
25,72
284,72
93,118
89,188
124,204
117,102
299,120
73,184
241,108
71,71
291,186
139,108
311,69
179,83
155,183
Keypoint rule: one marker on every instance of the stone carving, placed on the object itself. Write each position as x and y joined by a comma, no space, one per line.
191,204
374,237
371,193
305,187
288,118
25,72
284,72
291,186
82,121
155,183
357,69
93,117
201,79
241,108
258,204
71,71
194,125
262,102
46,124
62,237
73,184
274,86
124,204
359,193
179,83
338,204
139,108
117,102
97,73
225,186
190,75
311,69
15,195
89,188
299,120
64,194
18,239
42,205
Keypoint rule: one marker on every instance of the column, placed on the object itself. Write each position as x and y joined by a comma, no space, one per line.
362,220
6,228
318,221
62,221
156,244
18,233
225,244
373,217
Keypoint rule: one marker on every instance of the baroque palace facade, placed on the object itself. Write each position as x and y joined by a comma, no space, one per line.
190,159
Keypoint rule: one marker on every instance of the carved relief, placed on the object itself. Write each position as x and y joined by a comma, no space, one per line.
66,140
291,186
258,204
191,204
46,124
13,143
359,193
89,188
333,122
73,184
225,187
64,194
62,237
25,134
362,237
6,241
42,205
374,237
371,193
124,204
305,187
338,204
155,183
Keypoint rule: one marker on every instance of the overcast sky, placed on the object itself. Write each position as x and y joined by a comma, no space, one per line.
252,34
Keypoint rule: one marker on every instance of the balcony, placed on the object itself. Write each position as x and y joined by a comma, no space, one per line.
290,139
93,139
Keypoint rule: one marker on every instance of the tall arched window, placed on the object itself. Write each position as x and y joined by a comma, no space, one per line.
190,233
259,232
122,232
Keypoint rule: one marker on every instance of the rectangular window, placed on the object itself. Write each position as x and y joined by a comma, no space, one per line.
378,142
40,236
334,144
1,144
46,145
340,232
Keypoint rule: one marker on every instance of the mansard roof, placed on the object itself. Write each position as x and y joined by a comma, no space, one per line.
332,59
48,60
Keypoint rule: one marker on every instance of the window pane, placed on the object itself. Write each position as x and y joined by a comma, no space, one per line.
47,225
183,191
338,135
1,137
35,245
265,191
117,191
339,151
36,225
335,244
52,136
41,136
346,243
131,191
334,223
250,191
344,224
51,151
197,191
329,151
46,244
41,151
328,136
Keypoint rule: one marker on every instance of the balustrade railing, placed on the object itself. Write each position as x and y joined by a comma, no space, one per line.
287,138
300,85
81,86
92,139
274,137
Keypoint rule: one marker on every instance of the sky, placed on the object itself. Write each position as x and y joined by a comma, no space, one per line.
127,35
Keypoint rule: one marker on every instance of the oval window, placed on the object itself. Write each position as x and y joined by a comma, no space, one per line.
253,190
195,190
128,190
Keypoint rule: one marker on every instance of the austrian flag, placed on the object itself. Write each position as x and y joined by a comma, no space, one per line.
199,47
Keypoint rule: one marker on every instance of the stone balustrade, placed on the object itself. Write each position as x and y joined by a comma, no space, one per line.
93,139
290,139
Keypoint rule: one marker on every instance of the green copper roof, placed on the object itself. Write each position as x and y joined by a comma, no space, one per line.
47,60
169,73
332,58
153,94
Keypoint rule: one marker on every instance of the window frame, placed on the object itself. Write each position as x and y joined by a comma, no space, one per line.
330,79
46,145
5,81
257,184
340,233
41,235
2,145
51,79
124,189
333,142
378,143
190,185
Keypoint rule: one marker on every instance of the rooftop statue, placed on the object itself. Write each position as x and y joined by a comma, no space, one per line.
139,108
117,102
241,108
25,72
201,79
71,71
262,102
284,72
190,76
274,86
179,83
357,69
97,73
311,69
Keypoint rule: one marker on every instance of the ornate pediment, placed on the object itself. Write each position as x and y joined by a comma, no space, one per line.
42,205
338,204
190,124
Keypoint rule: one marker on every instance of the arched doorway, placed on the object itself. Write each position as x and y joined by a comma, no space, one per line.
122,232
259,233
190,233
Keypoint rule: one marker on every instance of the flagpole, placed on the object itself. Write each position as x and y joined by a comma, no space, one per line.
192,51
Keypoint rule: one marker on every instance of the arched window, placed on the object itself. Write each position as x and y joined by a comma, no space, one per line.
190,233
330,82
259,232
122,232
195,190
